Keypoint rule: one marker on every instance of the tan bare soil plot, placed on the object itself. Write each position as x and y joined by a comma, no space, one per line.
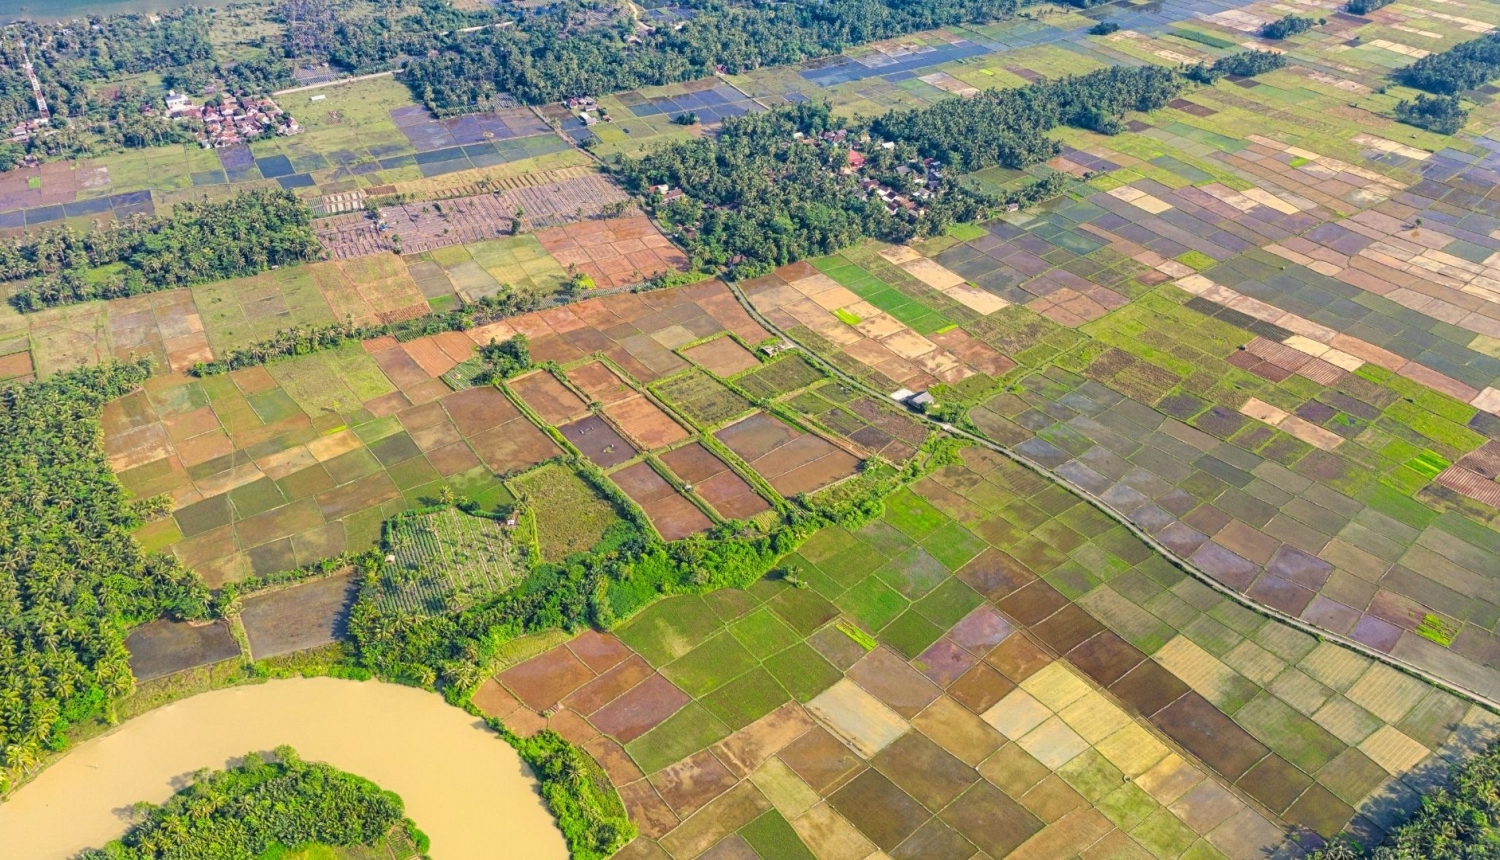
614,252
722,357
728,493
674,516
792,461
551,399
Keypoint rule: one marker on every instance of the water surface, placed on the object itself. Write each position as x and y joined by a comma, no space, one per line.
464,787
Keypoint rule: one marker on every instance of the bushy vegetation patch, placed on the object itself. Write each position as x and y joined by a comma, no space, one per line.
198,242
589,811
1457,822
260,806
1291,25
1462,67
1440,114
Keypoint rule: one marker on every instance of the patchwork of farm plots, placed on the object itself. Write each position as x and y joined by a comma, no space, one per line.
278,466
929,695
1262,328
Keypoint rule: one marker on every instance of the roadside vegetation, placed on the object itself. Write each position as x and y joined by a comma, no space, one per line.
300,340
264,808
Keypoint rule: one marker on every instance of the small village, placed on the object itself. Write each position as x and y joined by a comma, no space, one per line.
229,120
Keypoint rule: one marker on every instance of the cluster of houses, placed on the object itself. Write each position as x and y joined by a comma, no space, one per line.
588,111
233,120
924,176
27,129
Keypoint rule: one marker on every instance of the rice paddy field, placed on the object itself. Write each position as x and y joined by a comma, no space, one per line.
1229,590
949,684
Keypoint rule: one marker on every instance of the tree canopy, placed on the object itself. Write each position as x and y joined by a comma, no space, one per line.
1441,114
71,56
1458,822
71,576
257,806
205,241
564,49
1462,67
1289,26
758,196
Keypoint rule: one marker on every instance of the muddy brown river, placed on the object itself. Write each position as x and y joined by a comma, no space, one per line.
466,788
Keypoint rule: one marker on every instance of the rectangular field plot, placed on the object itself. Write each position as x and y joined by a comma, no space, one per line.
674,516
722,357
303,616
446,560
614,252
163,647
716,483
875,426
425,227
550,398
645,422
792,461
598,441
700,397
782,376
568,515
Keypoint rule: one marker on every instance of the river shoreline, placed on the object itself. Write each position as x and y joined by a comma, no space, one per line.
465,787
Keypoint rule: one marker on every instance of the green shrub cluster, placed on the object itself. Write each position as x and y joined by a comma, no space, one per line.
1245,64
257,807
1291,25
1440,114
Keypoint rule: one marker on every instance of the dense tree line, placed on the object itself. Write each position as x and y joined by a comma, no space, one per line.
756,196
560,50
317,31
1458,822
1441,114
1245,64
251,77
1291,25
300,340
72,57
1365,7
71,576
256,807
588,810
1008,127
206,241
1462,67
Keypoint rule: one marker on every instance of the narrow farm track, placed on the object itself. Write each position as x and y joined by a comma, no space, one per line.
1177,560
